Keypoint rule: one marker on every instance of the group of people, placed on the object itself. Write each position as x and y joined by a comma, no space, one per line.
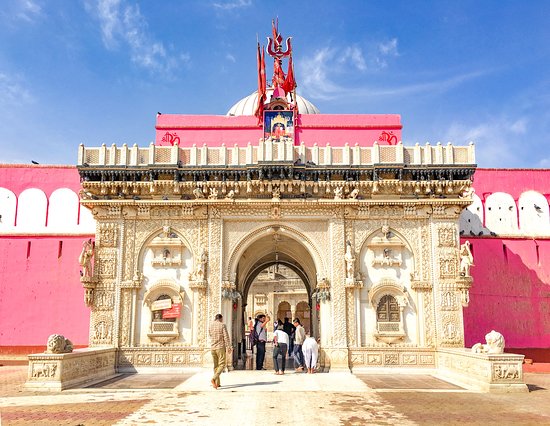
288,338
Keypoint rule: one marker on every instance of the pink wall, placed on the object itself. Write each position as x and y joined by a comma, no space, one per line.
510,293
41,294
18,177
511,181
319,129
511,290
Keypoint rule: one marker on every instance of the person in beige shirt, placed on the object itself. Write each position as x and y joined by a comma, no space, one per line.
220,344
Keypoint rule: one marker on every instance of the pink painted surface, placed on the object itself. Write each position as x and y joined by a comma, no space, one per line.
511,181
511,290
18,177
510,293
41,294
320,129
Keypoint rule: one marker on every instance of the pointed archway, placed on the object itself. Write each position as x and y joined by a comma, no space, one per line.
275,245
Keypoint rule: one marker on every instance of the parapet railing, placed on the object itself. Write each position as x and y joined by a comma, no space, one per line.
271,151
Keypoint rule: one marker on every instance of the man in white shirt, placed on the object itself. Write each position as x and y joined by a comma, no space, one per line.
280,346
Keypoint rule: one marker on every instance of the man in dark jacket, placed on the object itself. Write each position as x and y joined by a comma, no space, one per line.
288,328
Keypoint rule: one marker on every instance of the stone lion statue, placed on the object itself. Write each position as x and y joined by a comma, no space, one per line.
495,344
58,344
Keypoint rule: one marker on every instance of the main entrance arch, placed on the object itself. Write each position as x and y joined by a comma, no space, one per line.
265,251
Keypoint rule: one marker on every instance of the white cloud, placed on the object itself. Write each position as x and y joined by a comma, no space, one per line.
355,56
315,80
28,10
318,75
230,58
13,92
232,4
123,24
389,48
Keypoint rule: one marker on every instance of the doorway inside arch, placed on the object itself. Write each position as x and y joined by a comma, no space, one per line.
280,293
275,276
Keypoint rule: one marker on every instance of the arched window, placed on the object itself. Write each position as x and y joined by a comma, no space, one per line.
388,310
389,299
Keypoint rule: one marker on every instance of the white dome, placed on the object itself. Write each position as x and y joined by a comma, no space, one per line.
247,105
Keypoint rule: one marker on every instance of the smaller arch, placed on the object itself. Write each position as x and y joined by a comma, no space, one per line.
147,241
283,310
389,300
63,209
303,312
471,218
534,217
32,207
160,287
501,215
387,286
8,208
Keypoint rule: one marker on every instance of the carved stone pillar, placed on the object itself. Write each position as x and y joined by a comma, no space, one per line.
425,315
337,353
352,288
199,319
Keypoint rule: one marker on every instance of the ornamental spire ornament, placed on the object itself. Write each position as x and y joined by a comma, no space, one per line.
281,83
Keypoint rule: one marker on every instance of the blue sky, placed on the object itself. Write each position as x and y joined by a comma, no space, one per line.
97,71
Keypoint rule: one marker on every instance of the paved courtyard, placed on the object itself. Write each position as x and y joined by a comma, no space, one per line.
263,398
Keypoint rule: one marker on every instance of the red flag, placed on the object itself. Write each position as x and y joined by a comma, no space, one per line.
290,83
261,85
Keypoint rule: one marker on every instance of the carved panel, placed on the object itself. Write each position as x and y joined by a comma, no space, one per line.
104,300
449,301
107,235
447,267
447,236
106,267
504,372
451,330
125,314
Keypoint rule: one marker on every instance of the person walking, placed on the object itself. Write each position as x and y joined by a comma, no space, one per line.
310,349
219,345
299,337
260,327
288,328
280,346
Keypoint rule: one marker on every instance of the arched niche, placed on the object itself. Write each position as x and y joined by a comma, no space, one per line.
534,218
386,262
389,299
501,216
32,208
471,218
8,206
163,303
165,262
63,210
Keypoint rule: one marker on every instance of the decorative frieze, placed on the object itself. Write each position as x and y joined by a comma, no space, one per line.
391,357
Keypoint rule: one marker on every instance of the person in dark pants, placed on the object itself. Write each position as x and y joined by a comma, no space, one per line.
260,328
280,345
288,328
299,337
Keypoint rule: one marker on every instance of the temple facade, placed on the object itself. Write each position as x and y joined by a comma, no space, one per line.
372,232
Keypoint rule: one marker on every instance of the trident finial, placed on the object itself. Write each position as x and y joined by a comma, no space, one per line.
274,45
